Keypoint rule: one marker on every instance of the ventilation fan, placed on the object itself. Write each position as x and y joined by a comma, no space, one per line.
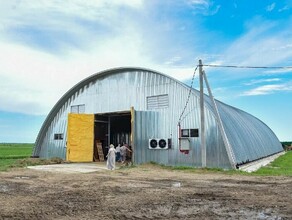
153,144
158,143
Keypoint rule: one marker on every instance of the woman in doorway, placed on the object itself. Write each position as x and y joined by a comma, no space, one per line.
111,158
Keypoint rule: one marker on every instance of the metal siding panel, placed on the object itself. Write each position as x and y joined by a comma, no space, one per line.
146,128
251,139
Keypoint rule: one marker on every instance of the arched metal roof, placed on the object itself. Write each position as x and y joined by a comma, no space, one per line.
249,137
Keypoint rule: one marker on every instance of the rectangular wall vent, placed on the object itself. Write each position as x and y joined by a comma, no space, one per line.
157,102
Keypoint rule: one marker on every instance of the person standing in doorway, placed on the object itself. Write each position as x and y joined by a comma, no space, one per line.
118,150
124,150
111,158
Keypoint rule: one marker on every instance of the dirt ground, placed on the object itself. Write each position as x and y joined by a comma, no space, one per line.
144,192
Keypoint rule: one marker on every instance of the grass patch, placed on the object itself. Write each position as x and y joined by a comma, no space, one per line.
18,155
127,166
197,169
6,164
207,170
10,153
281,166
193,169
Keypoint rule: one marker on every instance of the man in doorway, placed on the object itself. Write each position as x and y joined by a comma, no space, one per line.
124,150
118,150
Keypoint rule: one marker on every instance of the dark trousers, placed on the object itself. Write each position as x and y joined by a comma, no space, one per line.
118,157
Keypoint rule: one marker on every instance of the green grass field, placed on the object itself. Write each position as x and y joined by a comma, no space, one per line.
281,166
15,151
11,153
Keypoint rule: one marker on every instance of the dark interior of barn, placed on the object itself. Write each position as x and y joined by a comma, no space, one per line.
110,128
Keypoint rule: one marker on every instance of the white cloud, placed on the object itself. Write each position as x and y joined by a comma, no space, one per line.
268,89
62,22
262,45
35,78
35,85
271,7
92,36
278,71
173,60
90,9
252,82
204,7
205,3
70,18
285,8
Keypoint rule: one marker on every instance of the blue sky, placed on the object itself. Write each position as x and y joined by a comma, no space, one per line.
49,46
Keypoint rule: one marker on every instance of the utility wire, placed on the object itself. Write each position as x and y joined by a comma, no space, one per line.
226,66
249,67
188,113
189,95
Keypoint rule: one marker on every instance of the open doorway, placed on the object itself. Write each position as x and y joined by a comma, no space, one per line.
111,128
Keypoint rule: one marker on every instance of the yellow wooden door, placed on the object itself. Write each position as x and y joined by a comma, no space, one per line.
80,135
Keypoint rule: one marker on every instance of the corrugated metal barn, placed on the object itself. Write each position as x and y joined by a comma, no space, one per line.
142,108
